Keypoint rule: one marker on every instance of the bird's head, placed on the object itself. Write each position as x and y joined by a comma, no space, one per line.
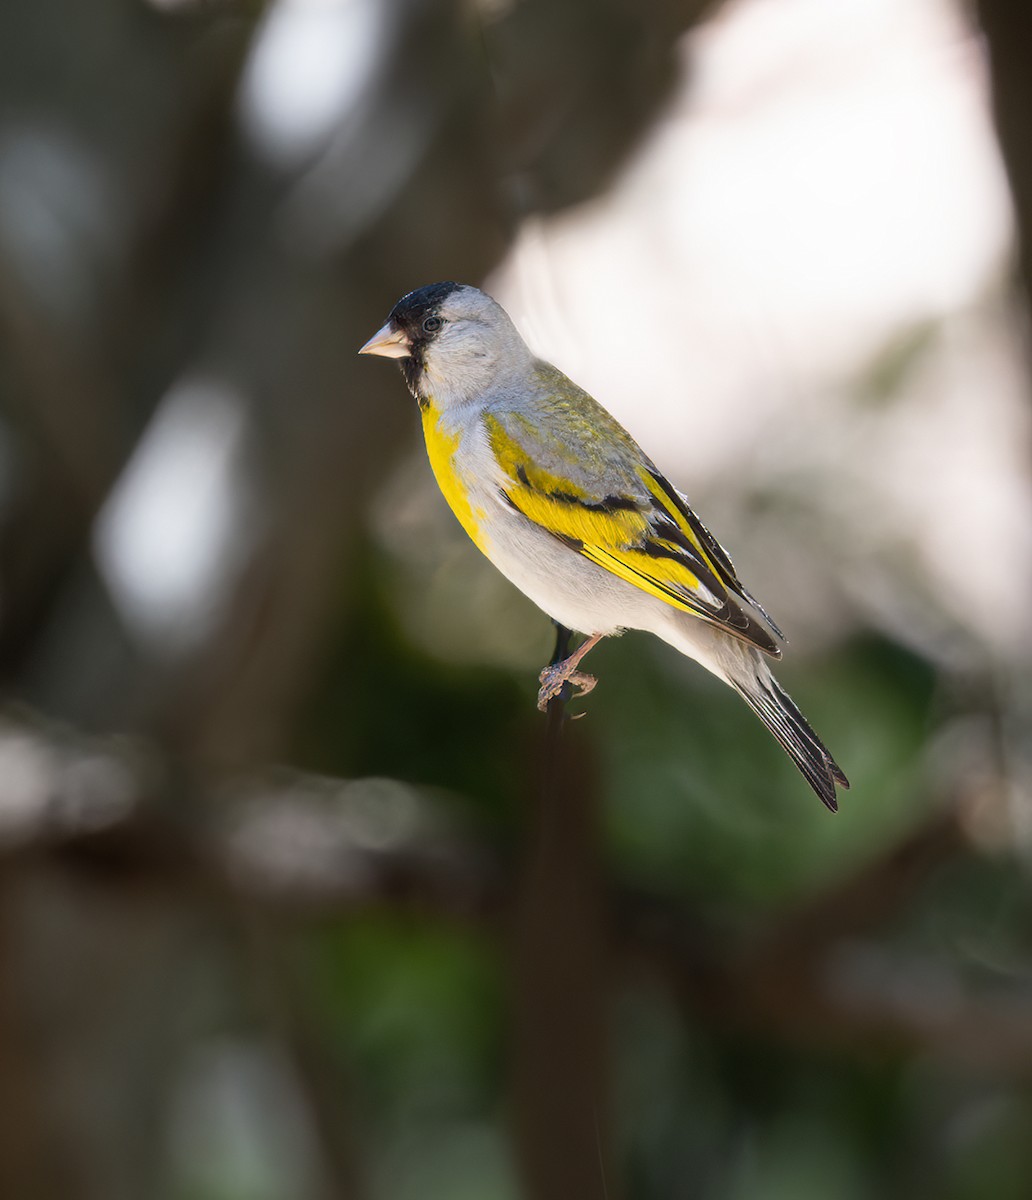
453,343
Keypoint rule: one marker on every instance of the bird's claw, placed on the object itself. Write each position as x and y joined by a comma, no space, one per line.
555,678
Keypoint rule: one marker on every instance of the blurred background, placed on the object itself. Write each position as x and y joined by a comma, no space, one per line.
297,897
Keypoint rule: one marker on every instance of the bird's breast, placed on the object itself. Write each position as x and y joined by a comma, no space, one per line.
446,449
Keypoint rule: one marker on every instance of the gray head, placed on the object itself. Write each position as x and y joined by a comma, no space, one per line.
453,342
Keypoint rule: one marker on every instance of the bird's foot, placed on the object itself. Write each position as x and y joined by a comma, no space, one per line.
555,678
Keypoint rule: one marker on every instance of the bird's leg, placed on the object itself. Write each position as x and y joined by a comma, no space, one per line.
563,670
562,644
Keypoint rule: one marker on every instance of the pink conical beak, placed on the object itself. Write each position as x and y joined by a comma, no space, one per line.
388,343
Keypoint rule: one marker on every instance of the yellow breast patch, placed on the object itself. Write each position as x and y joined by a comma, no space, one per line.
441,447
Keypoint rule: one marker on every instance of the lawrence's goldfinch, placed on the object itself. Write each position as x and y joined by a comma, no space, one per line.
567,506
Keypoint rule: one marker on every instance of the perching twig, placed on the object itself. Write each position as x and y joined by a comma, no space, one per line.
561,952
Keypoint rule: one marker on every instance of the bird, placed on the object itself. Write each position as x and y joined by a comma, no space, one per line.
566,504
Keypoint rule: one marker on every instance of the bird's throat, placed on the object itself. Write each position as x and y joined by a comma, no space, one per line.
414,368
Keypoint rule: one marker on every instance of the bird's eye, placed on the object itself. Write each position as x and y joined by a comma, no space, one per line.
432,324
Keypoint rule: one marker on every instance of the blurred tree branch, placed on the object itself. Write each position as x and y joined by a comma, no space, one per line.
791,980
1008,30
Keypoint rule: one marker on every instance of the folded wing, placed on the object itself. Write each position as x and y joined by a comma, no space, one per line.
620,512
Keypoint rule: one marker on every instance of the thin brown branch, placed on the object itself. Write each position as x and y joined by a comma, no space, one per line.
560,1053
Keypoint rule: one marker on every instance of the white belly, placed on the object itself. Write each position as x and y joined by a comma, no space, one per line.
567,586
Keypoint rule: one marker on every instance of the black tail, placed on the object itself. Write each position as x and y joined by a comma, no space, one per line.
778,711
